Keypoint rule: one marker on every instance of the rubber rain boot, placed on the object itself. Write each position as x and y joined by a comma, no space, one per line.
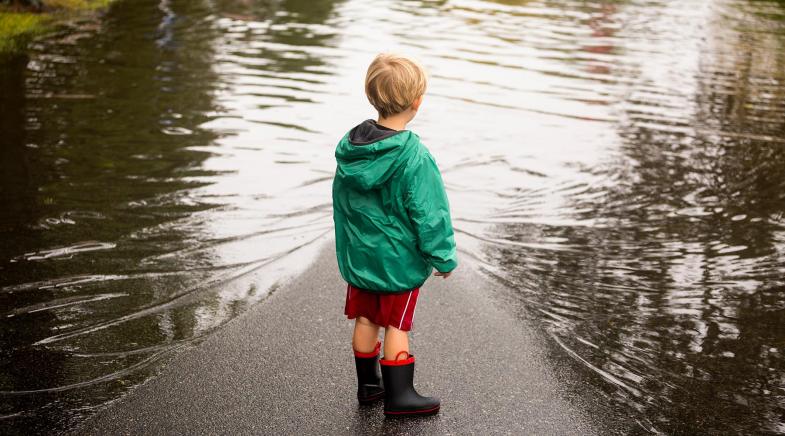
400,398
369,382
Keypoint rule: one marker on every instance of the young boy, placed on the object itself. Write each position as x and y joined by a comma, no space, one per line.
392,228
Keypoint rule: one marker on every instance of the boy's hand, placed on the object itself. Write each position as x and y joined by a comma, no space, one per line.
442,275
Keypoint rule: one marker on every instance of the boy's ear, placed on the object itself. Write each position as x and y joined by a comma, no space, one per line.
416,103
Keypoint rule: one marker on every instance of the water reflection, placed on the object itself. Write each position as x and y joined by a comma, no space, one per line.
117,252
617,163
673,292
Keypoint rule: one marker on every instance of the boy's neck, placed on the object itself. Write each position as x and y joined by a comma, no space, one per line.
395,122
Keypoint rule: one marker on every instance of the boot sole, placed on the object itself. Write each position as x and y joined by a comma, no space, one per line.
431,411
371,399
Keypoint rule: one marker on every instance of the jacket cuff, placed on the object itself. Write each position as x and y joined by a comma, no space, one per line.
446,266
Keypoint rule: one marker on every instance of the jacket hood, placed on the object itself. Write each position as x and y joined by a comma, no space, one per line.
368,132
369,154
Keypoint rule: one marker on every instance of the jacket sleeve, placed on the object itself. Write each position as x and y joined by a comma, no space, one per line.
429,212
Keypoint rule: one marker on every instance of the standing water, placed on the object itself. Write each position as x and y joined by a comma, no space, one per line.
619,164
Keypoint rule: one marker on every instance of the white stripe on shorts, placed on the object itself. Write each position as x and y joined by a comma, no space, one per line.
404,310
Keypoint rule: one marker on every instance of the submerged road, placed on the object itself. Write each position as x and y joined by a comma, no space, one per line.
286,367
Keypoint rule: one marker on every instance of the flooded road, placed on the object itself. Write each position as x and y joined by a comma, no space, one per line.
620,165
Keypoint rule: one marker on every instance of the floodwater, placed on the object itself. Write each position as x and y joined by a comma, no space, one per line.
619,164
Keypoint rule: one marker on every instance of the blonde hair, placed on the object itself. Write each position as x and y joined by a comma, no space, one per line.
393,83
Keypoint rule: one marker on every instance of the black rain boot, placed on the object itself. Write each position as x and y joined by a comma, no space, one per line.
369,382
401,399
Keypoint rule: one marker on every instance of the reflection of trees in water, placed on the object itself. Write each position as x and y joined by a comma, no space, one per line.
19,176
90,137
20,180
113,109
678,287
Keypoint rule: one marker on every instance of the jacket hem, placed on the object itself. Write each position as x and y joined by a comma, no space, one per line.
385,292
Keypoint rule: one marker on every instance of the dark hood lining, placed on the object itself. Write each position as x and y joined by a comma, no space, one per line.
369,131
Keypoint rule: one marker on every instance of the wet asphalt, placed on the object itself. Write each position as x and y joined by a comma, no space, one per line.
285,367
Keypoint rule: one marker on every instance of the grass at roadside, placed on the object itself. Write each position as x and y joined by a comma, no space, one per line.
18,27
74,5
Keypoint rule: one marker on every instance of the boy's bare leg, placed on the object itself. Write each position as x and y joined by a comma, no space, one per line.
395,341
366,334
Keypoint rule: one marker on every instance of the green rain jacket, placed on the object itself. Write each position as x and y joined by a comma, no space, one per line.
392,218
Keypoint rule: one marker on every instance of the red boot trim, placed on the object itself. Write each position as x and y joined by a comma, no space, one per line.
373,353
397,362
414,412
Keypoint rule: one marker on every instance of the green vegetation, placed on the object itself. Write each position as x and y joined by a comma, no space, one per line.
20,21
74,5
16,29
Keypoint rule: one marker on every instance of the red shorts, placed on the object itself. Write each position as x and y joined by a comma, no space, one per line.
395,310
